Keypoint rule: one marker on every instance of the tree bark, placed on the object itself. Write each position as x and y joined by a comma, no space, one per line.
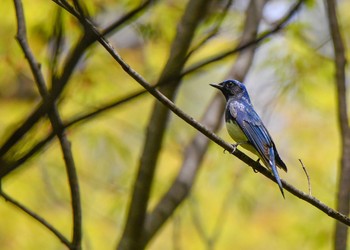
343,196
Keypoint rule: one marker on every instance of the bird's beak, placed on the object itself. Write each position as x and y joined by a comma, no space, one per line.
218,86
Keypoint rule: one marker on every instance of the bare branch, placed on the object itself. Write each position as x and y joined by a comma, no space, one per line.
194,152
343,196
214,30
254,42
212,238
36,217
197,221
307,176
58,39
65,5
56,124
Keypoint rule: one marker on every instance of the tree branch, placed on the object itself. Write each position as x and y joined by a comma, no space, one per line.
214,30
36,217
56,124
72,60
343,196
75,57
212,118
279,25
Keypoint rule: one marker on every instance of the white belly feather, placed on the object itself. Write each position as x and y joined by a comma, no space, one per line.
239,137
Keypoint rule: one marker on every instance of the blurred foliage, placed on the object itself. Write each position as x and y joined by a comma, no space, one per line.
291,84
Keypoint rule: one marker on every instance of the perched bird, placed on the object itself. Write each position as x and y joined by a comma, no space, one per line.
246,128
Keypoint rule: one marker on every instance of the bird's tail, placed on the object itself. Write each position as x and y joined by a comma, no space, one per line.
277,177
274,170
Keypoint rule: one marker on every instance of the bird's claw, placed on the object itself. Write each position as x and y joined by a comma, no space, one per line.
234,148
254,169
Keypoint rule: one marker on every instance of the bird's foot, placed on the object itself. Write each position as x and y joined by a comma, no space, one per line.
254,169
234,148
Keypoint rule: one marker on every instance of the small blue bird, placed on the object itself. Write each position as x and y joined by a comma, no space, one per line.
246,128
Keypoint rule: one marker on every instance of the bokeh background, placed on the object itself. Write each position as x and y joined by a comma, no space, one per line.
291,84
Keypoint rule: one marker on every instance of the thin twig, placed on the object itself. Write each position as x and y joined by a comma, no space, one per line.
65,5
198,221
176,234
212,238
307,176
254,42
218,228
36,217
214,30
57,38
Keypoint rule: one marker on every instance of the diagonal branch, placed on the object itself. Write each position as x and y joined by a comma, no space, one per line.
36,217
212,118
192,122
11,166
212,136
4,170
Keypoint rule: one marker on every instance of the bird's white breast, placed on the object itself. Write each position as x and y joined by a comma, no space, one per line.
238,136
235,132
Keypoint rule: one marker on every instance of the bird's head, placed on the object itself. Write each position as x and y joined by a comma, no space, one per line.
232,88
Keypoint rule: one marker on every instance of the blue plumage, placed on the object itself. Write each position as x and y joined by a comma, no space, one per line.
246,128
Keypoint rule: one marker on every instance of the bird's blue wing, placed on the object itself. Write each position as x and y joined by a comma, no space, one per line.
259,137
